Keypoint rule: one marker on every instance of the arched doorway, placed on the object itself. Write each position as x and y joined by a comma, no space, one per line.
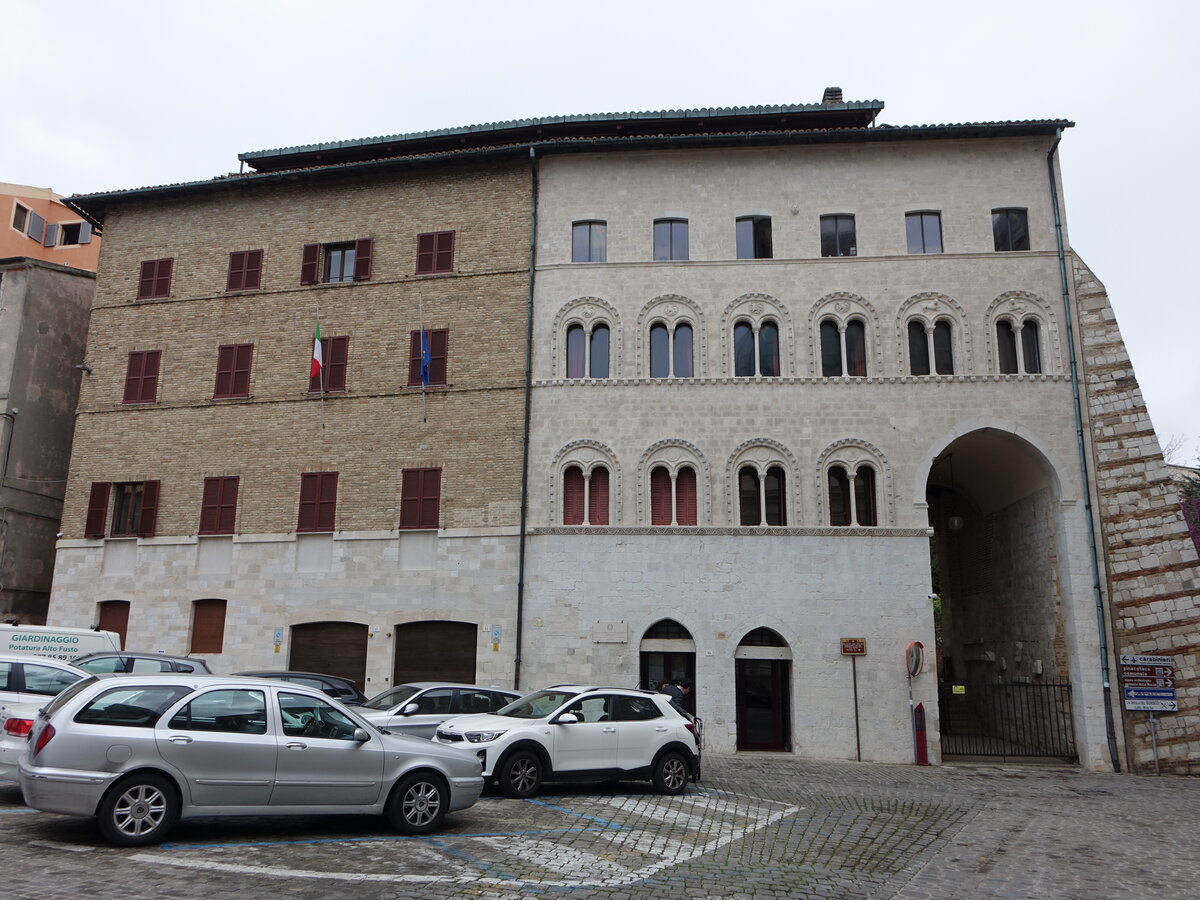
762,687
668,653
330,648
435,651
1004,687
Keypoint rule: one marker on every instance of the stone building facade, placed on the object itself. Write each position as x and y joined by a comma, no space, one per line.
803,393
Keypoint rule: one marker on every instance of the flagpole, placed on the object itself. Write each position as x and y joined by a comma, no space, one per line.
321,374
421,347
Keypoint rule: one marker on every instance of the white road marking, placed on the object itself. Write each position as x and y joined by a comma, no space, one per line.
555,858
55,845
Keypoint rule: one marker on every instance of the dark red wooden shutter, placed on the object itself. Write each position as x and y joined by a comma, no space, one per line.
146,279
162,278
97,510
225,359
327,503
310,265
148,517
426,247
414,358
218,506
151,361
237,271
208,626
310,487
133,378
598,497
336,352
431,497
362,259
241,370
573,496
444,260
252,279
660,496
685,496
228,505
439,345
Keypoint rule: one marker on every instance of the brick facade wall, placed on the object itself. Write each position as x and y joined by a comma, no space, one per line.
1153,579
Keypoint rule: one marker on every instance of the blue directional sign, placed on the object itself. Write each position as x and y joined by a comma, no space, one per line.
1149,694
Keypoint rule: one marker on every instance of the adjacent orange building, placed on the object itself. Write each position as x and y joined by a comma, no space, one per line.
39,226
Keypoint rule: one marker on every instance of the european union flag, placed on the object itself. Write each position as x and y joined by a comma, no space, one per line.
425,358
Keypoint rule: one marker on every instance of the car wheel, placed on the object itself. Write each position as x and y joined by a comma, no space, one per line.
671,773
418,804
521,775
138,810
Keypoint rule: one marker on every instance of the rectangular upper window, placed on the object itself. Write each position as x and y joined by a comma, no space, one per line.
318,501
437,345
72,233
20,217
670,239
1010,229
754,237
134,509
336,263
924,232
245,270
837,236
233,371
218,505
335,352
435,252
589,241
141,376
420,498
154,280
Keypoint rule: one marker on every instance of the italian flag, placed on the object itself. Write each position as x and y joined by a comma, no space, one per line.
317,360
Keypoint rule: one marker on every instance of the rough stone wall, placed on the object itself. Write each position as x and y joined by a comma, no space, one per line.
1153,579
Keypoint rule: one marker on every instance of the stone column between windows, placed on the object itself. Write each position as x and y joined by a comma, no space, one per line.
674,501
852,490
842,340
587,494
754,328
929,329
762,498
587,373
1018,327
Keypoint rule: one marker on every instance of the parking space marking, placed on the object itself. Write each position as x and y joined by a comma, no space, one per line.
625,848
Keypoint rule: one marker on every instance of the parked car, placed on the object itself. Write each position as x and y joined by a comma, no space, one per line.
34,679
212,745
16,721
571,732
122,663
54,642
419,707
332,685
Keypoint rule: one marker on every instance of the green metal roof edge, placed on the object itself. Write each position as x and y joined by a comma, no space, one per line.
582,118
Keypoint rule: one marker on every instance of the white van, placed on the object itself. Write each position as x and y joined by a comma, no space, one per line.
56,643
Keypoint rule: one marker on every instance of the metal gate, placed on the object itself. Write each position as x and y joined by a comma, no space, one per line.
1007,720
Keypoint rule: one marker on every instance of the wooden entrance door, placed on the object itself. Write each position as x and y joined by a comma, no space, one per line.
330,648
435,651
763,703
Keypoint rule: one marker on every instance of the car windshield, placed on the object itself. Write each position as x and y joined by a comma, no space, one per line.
536,705
395,697
63,696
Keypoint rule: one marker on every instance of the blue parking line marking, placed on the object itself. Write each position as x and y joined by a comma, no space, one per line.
605,822
23,810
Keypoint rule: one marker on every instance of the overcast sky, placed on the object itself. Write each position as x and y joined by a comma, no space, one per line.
125,93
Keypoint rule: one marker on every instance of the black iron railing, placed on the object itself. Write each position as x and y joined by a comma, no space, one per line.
1007,720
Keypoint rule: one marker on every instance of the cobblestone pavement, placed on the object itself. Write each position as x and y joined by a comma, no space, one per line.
759,826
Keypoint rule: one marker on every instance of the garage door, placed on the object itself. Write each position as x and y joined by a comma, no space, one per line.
435,651
331,648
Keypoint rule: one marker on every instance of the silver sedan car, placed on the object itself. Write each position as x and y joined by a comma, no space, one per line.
419,707
141,751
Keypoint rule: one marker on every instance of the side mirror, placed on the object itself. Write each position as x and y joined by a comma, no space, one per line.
361,735
566,719
409,709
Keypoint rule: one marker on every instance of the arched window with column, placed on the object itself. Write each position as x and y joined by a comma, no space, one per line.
673,495
854,473
756,349
671,350
843,337
587,351
930,344
585,495
1019,346
1025,335
586,341
761,485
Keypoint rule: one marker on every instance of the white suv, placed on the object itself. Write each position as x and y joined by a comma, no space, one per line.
575,732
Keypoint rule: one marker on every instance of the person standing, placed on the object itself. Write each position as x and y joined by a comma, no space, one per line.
677,691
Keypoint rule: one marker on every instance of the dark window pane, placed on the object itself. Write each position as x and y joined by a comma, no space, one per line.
1031,347
588,242
829,243
837,236
679,240
671,239
912,231
599,359
856,349
839,496
773,489
745,238
575,351
743,350
748,496
831,349
932,226
768,349
662,239
918,348
659,350
1006,347
683,351
1010,229
762,238
864,495
754,237
943,347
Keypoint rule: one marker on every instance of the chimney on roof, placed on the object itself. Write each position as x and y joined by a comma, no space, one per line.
833,97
